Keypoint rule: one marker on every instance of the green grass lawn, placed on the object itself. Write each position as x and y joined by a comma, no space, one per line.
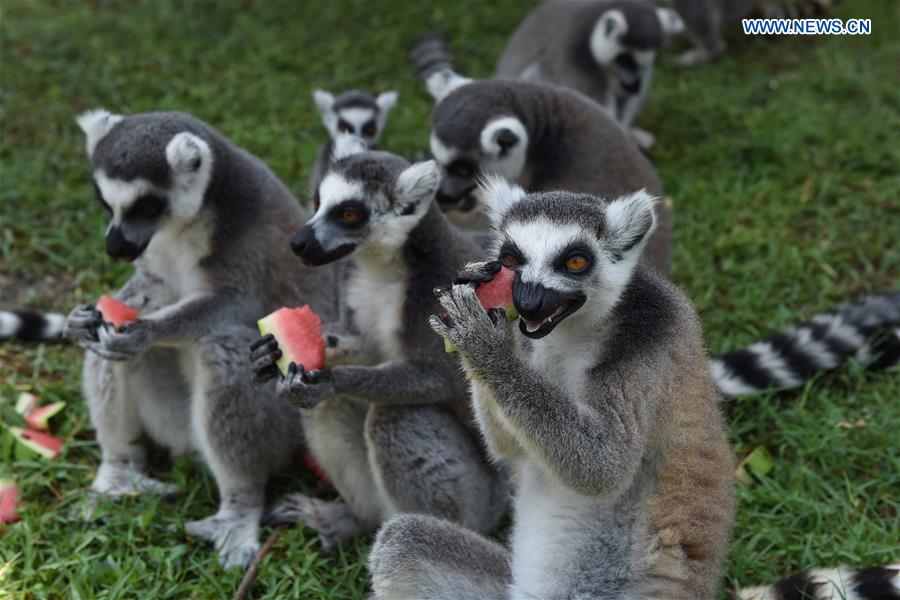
782,161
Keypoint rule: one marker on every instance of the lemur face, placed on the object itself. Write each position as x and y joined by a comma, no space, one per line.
501,149
355,113
625,42
368,201
572,253
146,175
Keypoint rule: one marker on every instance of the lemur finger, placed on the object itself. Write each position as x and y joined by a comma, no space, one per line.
271,351
265,374
439,326
497,316
317,376
264,340
478,272
265,361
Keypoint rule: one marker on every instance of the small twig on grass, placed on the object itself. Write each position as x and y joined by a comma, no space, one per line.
244,588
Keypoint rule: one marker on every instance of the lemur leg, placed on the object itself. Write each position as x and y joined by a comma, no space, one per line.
417,556
425,461
335,434
244,433
703,20
117,394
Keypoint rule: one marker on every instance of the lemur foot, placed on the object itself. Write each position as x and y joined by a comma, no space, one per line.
644,139
125,479
335,524
237,540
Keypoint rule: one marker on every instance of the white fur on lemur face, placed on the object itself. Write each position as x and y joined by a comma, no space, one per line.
137,208
583,256
362,121
356,215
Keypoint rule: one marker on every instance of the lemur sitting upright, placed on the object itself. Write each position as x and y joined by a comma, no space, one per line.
602,402
207,227
393,436
353,112
604,49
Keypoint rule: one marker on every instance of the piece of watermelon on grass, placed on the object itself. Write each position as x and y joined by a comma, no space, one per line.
37,417
30,441
496,293
115,312
9,501
298,332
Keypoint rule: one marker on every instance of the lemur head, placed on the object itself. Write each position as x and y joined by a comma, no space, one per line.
626,38
368,201
149,170
355,112
573,254
475,132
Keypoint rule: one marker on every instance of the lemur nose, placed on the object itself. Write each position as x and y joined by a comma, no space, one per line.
301,240
534,301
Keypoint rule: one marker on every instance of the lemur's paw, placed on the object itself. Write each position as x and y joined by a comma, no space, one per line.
335,523
116,481
238,549
264,354
471,329
128,341
82,324
478,272
305,389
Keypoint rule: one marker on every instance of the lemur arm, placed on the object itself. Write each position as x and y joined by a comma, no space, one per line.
394,383
193,317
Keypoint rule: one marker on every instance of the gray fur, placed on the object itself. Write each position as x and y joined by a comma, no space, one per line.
573,145
394,435
179,373
610,421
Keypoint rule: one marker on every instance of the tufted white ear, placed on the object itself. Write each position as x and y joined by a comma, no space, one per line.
605,38
191,159
415,185
347,144
669,20
498,194
441,83
324,101
629,222
386,101
96,124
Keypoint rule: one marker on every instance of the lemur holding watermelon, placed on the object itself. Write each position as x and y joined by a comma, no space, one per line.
207,226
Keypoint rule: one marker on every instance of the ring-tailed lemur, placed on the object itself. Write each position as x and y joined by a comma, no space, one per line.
602,402
207,226
31,326
873,583
541,137
706,21
352,112
394,436
604,49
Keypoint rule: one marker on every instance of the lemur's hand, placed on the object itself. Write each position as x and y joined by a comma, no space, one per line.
82,324
129,341
264,354
475,333
305,389
478,272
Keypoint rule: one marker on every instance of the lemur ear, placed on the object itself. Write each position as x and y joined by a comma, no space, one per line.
96,124
347,144
502,134
629,222
416,184
441,83
669,20
324,101
610,28
186,153
386,101
498,195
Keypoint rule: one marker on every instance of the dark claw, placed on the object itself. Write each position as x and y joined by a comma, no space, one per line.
445,319
497,315
440,290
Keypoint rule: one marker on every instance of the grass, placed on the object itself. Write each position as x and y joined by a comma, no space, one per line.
781,159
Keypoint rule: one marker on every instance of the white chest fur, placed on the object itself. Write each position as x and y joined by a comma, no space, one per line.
376,292
559,359
174,255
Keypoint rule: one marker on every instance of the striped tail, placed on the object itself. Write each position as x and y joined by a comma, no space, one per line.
31,326
794,9
874,583
431,54
868,330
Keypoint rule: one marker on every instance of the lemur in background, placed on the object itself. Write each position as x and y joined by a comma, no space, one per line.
395,435
208,228
601,401
873,583
353,112
604,49
539,136
707,20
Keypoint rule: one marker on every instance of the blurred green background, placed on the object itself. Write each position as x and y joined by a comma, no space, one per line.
781,159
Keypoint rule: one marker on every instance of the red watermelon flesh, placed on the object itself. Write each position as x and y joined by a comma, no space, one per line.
43,443
39,417
116,312
9,500
298,332
313,466
496,293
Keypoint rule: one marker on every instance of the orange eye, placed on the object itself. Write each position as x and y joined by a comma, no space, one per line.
350,217
461,170
509,260
344,126
577,263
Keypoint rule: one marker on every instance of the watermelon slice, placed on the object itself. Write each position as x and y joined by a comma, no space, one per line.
116,312
37,417
313,466
299,335
9,500
496,293
26,403
35,441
